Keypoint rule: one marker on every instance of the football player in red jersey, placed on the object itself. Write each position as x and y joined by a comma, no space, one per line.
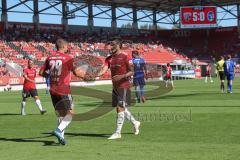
29,87
121,71
60,66
208,73
169,75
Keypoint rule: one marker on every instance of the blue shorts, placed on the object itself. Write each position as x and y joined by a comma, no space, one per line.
230,77
139,81
48,83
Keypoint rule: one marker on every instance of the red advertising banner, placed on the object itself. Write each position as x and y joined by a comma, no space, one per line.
11,80
198,17
31,26
18,80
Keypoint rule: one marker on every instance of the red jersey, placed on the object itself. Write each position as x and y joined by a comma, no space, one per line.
60,67
169,71
119,65
31,74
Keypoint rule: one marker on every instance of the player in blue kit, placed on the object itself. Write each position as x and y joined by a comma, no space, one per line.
47,78
140,70
229,66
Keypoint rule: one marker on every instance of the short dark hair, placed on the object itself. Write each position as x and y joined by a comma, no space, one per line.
135,54
229,56
117,42
60,43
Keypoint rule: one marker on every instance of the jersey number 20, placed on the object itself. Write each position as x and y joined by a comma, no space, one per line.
55,69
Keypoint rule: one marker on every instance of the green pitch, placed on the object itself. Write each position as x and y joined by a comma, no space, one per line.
193,122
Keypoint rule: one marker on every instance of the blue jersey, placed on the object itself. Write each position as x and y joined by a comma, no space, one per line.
229,67
139,64
47,78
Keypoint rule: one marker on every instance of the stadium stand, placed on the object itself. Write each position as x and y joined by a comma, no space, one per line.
16,46
203,44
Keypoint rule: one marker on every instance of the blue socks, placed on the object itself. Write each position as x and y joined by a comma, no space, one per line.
229,87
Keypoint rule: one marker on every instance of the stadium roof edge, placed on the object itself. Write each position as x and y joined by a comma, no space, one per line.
170,6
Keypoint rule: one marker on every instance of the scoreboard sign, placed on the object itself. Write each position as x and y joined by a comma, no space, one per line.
198,17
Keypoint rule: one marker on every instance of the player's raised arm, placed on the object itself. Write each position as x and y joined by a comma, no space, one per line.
78,73
41,73
43,69
103,71
77,69
105,67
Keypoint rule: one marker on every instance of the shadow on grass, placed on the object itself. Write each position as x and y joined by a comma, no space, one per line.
31,140
176,96
96,135
88,135
81,134
9,114
106,97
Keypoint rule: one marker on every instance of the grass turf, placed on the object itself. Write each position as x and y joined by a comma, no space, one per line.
193,122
